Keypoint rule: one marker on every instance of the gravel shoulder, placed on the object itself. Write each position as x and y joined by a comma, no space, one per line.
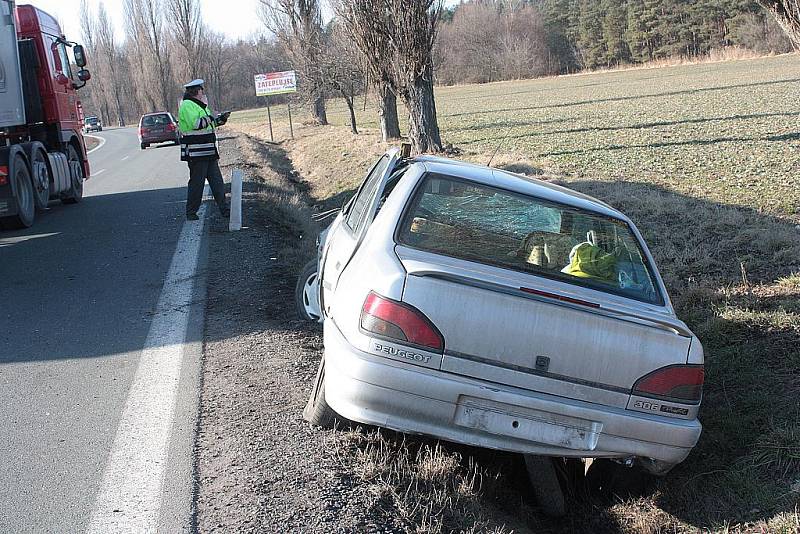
260,467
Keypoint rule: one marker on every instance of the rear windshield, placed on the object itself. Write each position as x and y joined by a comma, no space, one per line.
156,120
497,227
91,120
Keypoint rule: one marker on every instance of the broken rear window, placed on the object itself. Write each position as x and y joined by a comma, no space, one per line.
484,224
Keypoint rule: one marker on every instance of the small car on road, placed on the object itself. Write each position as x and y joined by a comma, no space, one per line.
158,127
92,124
491,309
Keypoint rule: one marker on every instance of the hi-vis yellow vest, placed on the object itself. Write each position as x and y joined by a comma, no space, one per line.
198,139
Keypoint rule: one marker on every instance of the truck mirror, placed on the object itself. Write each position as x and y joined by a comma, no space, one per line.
80,55
84,75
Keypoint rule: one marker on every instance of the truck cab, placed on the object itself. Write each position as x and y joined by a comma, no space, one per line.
41,118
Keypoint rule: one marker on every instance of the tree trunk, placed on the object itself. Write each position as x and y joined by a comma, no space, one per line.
350,103
120,112
387,112
423,128
787,13
318,112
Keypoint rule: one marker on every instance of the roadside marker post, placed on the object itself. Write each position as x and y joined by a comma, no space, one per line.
269,116
289,109
235,222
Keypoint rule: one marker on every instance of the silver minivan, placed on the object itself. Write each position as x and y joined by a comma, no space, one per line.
486,308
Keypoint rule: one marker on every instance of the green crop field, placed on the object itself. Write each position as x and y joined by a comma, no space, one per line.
706,160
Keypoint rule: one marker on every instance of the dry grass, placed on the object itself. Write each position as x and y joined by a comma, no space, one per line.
423,488
704,158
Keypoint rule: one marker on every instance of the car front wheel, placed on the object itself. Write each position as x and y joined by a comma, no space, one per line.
306,293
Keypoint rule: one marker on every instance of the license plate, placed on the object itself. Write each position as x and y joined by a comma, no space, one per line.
532,425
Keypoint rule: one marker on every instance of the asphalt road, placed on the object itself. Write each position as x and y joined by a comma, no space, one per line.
78,295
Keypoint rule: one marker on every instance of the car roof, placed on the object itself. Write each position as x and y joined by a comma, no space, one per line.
157,113
517,183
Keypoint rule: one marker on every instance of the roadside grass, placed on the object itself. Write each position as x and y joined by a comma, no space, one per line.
705,159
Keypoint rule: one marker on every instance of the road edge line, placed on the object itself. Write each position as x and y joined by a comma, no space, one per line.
102,142
130,495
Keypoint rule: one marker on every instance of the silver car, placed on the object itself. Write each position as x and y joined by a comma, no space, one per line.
491,309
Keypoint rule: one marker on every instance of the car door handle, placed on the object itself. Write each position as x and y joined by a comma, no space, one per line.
338,265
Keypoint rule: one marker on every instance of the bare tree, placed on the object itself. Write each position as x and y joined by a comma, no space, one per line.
413,25
137,57
188,29
94,94
113,65
787,13
365,21
219,64
343,68
298,26
145,27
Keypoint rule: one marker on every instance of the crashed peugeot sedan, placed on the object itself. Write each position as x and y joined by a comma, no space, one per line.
491,309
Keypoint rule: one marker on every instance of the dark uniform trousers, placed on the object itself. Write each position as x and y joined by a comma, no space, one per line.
199,171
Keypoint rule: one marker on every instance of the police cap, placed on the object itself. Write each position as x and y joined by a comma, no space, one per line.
194,83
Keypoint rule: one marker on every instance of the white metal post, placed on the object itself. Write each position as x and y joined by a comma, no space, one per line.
236,201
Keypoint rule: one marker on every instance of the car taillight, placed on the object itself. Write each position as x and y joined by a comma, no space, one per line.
170,127
3,175
396,320
143,131
681,383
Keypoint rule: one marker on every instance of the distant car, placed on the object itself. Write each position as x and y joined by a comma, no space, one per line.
486,308
159,127
92,124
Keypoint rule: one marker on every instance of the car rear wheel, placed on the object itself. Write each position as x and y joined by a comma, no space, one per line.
144,145
547,485
317,412
24,198
306,293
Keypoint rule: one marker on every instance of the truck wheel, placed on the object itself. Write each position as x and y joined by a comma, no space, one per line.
317,412
26,207
546,485
75,193
306,295
41,179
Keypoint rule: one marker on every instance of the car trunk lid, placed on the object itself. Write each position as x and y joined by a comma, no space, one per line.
526,331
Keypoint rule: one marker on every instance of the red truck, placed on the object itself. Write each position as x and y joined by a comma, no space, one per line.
42,150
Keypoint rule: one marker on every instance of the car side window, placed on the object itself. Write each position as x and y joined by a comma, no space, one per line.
361,202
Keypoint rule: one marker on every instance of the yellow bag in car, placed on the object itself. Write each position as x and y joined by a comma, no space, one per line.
589,261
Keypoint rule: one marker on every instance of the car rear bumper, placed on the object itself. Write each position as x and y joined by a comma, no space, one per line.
165,138
407,398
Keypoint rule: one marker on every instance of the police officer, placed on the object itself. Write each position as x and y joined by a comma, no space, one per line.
199,148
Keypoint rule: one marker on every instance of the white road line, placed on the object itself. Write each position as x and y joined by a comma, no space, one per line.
101,171
102,142
129,499
125,157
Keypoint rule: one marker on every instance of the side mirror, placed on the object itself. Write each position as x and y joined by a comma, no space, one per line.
84,75
80,56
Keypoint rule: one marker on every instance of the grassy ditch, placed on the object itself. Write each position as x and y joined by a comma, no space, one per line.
705,159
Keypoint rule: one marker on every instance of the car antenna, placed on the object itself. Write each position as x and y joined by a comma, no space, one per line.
508,131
